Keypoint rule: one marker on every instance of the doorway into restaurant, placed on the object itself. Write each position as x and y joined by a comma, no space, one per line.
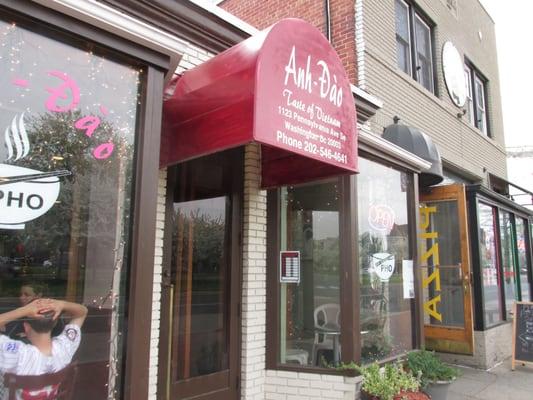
445,263
200,340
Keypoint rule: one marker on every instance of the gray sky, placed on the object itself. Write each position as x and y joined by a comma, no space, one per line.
514,32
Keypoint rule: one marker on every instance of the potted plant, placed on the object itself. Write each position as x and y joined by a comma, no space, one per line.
435,376
390,382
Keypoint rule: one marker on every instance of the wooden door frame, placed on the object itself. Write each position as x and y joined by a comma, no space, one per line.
456,192
236,157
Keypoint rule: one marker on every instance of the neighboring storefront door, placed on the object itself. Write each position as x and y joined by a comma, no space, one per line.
444,259
202,283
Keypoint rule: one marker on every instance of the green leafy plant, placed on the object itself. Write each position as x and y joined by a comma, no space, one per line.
384,382
429,367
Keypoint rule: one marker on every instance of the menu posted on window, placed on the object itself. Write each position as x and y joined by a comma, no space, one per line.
289,267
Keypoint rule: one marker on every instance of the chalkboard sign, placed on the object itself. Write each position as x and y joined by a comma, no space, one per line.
523,333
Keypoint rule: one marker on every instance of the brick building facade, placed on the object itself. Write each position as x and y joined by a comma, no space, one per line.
363,33
341,27
470,140
180,263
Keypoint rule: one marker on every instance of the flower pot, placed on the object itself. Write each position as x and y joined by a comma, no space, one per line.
438,390
401,396
412,396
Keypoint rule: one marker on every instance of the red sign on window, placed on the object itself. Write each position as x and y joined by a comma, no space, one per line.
289,267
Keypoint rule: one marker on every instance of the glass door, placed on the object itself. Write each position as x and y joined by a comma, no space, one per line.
202,285
444,260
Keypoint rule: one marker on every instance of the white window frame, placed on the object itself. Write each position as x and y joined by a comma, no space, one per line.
481,120
412,16
399,38
469,95
430,60
477,105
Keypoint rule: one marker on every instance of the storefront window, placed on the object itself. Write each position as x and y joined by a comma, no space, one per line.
385,263
67,123
492,312
508,260
309,275
521,234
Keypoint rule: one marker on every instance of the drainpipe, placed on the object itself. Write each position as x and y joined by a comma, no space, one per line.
328,20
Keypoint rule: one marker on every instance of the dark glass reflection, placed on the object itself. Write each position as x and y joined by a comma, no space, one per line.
199,241
508,260
445,222
525,284
492,312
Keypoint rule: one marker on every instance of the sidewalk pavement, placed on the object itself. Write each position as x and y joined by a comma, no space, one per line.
498,383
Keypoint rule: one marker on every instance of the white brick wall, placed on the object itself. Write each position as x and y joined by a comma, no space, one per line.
253,321
158,266
289,385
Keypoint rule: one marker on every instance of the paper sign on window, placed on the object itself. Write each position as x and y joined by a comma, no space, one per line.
289,267
408,279
382,264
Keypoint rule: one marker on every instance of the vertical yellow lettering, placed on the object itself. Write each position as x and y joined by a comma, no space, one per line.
429,235
433,251
430,307
425,216
435,276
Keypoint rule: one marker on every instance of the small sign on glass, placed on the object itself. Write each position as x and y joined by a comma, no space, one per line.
289,267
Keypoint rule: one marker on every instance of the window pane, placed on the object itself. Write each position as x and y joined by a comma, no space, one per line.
525,284
423,54
199,238
402,20
480,106
444,222
383,247
489,265
310,307
469,98
404,58
507,244
67,118
402,36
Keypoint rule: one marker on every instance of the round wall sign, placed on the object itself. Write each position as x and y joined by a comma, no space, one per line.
454,74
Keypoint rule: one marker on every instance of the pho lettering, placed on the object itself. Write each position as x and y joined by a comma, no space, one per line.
19,200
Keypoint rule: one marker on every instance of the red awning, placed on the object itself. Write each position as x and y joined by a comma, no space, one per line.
285,88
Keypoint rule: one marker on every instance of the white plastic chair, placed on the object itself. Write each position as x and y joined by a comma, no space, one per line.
325,316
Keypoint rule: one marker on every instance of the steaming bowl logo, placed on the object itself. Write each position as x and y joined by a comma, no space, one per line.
25,193
24,201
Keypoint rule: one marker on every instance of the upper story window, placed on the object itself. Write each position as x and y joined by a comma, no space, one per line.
414,48
469,105
476,106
